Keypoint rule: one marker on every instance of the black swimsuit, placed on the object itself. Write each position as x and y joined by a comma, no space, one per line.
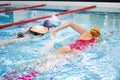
33,32
20,34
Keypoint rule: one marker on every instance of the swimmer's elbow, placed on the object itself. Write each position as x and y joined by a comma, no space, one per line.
69,22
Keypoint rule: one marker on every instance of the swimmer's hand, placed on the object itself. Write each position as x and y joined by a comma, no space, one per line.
53,33
110,32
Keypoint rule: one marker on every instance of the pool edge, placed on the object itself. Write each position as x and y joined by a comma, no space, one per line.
61,3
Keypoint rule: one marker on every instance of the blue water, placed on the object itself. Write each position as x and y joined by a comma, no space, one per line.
100,62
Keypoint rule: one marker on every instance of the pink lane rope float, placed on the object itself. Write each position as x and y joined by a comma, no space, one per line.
29,76
11,76
15,76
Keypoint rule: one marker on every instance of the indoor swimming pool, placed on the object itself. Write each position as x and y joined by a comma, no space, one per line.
100,62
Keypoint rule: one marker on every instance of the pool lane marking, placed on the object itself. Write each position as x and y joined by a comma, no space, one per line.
21,8
48,16
6,4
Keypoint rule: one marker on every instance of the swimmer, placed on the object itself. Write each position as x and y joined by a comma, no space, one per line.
86,37
34,31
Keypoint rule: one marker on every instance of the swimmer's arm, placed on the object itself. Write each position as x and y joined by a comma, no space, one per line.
102,39
9,41
73,25
13,39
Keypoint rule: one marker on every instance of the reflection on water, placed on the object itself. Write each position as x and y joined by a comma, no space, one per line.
6,17
101,62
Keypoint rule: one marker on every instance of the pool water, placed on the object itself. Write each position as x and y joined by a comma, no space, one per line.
101,62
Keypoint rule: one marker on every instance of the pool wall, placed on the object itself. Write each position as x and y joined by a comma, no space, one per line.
60,3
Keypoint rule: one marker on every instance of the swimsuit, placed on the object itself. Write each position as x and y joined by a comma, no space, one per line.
21,34
33,32
82,44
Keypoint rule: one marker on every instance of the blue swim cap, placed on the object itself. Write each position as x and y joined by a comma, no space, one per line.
47,23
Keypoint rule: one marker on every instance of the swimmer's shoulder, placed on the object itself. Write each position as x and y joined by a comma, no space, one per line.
97,40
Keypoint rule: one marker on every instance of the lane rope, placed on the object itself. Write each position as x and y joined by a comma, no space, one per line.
21,8
48,16
6,4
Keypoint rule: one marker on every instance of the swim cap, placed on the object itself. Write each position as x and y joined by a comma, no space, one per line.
95,31
47,23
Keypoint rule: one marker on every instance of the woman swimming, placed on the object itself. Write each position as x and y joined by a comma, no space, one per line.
31,31
86,38
36,30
